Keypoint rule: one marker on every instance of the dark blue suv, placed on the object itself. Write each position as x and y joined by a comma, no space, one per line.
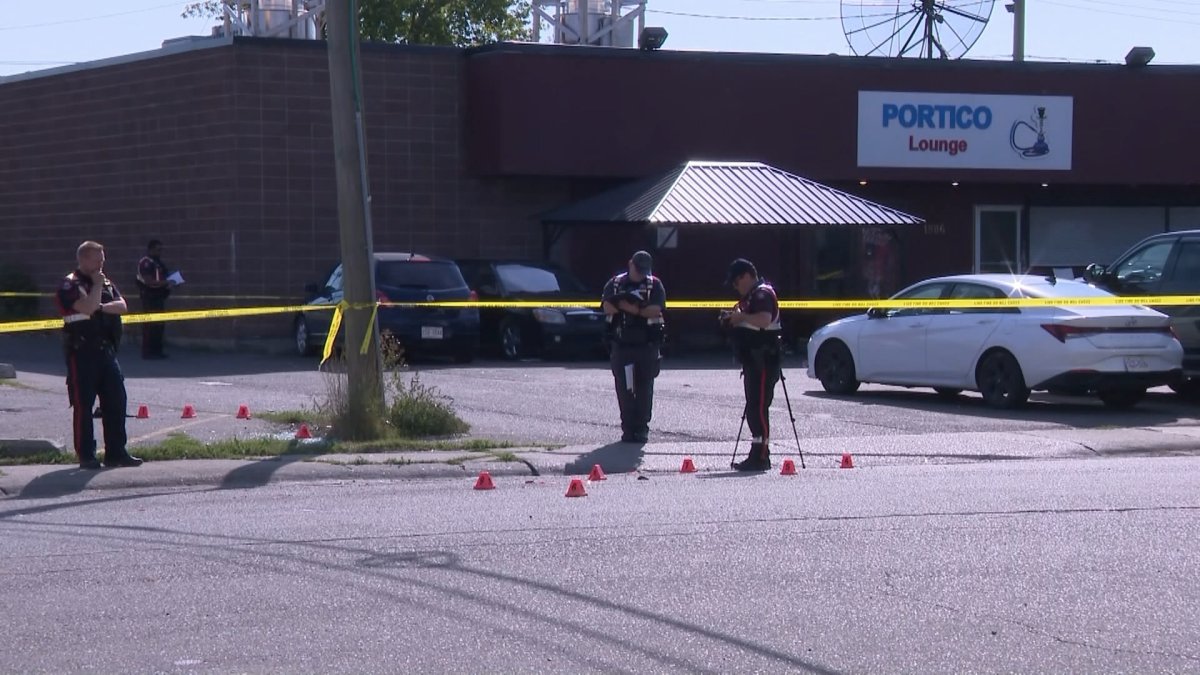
403,277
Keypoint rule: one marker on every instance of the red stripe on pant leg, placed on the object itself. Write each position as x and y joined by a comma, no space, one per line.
76,423
762,405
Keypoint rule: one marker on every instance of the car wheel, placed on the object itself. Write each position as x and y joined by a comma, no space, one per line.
1121,399
1000,380
835,368
1189,388
304,345
947,392
510,340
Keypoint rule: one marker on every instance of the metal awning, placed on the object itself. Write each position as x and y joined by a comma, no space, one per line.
727,193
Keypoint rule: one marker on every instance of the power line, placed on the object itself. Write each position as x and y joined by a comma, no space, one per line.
84,19
1126,5
1116,13
758,18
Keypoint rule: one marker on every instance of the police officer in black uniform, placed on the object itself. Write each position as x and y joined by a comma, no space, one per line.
91,308
756,331
633,305
154,288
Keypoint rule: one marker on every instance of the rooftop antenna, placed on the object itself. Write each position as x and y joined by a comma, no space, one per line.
597,23
943,29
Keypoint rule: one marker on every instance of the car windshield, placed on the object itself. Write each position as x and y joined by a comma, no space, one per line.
540,280
431,275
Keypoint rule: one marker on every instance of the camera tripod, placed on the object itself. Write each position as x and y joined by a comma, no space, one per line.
791,415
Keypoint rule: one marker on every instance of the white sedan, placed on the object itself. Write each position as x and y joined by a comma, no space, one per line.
1115,352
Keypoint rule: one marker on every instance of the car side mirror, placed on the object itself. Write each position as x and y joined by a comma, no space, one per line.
1094,272
877,313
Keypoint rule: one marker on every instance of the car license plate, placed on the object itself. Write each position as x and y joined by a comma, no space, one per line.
435,333
1136,363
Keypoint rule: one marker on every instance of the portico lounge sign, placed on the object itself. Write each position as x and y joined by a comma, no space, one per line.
964,131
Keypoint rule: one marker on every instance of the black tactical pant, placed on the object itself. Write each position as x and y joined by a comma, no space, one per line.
92,370
152,332
760,373
635,398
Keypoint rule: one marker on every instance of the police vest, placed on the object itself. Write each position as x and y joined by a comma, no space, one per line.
746,336
95,330
626,328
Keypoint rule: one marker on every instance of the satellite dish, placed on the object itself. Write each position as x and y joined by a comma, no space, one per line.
943,29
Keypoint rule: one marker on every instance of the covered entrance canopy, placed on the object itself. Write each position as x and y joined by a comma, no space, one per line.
808,239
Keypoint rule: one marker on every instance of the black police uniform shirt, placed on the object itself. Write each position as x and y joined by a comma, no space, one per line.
74,288
151,268
649,291
760,299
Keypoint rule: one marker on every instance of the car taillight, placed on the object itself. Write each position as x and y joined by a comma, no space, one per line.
473,297
1063,331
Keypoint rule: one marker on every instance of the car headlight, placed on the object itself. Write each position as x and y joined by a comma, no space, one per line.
545,315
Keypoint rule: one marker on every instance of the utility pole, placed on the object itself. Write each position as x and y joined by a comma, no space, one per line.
364,376
1017,9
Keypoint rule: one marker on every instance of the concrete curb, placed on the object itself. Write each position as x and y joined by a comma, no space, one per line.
7,371
935,449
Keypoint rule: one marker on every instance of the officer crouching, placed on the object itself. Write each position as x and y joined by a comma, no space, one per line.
756,333
91,308
633,305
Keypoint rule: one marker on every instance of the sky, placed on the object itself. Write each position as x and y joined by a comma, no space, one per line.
48,33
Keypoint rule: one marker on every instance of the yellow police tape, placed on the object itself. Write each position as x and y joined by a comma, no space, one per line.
961,303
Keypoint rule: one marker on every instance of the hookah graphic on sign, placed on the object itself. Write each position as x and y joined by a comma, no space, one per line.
1039,148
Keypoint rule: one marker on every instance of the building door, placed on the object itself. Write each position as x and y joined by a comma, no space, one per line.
998,239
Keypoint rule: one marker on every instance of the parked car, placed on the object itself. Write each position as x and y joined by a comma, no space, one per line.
403,277
1115,352
521,332
1163,264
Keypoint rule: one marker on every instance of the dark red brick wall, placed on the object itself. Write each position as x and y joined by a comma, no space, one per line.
629,113
226,154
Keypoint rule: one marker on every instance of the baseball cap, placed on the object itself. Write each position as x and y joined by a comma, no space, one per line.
643,262
739,267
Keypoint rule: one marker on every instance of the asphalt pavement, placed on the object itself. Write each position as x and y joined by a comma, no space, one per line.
1083,565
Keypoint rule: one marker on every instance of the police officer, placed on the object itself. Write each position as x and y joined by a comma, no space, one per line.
633,304
91,308
154,289
755,329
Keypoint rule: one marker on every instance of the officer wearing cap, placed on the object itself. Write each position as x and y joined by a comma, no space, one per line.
91,308
755,329
633,303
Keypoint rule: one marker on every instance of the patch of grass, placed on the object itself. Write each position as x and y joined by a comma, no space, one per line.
417,409
505,457
15,384
182,446
38,458
310,417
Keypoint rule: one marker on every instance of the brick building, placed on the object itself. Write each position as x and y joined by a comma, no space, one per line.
222,149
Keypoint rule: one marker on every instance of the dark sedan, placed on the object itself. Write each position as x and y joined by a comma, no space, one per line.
538,331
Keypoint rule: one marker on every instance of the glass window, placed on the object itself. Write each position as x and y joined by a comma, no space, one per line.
1186,275
431,275
922,292
335,280
1145,267
538,280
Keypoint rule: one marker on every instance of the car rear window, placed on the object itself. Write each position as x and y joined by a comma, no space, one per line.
530,279
429,275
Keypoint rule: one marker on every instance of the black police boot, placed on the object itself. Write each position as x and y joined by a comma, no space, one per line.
89,463
759,459
121,459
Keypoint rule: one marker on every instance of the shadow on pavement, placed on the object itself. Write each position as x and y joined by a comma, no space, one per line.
259,473
1080,412
60,483
613,458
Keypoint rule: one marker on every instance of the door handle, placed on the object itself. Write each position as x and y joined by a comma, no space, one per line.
985,321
